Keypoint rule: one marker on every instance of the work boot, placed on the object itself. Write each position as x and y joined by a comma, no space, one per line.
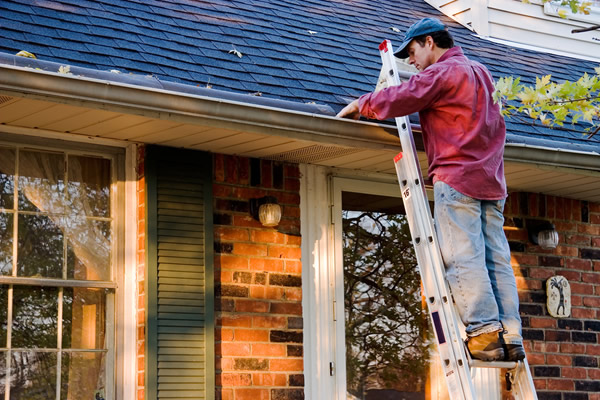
514,352
486,347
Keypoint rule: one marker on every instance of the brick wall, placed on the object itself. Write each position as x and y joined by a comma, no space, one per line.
258,283
141,268
564,353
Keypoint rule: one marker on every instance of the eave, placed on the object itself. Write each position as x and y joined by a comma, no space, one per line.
42,103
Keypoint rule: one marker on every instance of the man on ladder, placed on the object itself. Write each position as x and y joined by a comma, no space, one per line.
464,135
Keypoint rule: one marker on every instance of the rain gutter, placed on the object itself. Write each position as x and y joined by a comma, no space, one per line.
147,96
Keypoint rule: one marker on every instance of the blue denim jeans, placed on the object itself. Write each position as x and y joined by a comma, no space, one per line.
477,259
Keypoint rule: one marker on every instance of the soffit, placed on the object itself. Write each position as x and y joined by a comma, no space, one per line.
40,117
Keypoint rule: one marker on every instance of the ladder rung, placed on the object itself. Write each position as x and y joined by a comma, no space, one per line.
493,364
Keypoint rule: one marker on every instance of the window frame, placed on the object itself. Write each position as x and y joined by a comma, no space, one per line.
117,331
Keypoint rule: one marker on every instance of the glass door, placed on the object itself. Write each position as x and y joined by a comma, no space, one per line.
383,341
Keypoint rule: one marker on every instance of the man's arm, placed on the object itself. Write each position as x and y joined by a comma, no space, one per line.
350,111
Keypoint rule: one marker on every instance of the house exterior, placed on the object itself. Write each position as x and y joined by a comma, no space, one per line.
547,25
133,153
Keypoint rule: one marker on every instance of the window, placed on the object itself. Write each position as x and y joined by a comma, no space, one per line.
557,8
57,274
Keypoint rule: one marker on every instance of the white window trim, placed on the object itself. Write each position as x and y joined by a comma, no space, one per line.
322,273
126,309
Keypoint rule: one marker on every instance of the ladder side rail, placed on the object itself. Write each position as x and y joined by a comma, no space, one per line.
428,256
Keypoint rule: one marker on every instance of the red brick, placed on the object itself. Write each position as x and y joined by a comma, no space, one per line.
536,359
591,302
555,359
290,365
223,334
583,313
246,220
275,293
226,261
540,384
269,237
594,374
231,233
247,249
292,171
572,348
236,321
258,292
253,306
251,335
574,373
545,347
560,384
570,275
286,308
540,273
259,379
233,349
252,394
269,350
293,267
292,185
225,364
576,300
222,190
269,322
293,294
266,173
566,251
226,394
565,226
234,379
537,322
593,349
595,218
285,252
581,288
523,259
289,198
579,240
591,278
291,211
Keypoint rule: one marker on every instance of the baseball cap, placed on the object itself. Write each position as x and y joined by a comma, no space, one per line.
422,27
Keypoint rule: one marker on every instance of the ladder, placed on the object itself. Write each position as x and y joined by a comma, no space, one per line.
459,369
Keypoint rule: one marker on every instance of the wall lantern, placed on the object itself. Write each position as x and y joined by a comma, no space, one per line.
543,233
266,210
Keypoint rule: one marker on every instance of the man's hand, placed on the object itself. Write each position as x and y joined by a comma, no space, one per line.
350,111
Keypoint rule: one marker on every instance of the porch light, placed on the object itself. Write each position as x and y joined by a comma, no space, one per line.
266,210
542,233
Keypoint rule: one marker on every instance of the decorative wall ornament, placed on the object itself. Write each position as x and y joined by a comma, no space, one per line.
558,292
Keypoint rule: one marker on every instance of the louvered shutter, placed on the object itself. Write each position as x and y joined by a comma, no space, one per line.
180,343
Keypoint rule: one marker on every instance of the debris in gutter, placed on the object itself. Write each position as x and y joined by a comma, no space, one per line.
236,52
115,71
27,54
257,94
64,69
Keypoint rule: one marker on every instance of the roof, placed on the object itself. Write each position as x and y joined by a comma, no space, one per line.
304,51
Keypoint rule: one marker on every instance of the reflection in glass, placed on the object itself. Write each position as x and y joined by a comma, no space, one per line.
83,375
6,243
40,247
35,315
83,318
7,177
88,251
41,181
2,374
386,339
89,186
3,315
33,375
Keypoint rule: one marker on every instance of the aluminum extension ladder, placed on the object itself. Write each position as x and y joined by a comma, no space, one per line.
459,369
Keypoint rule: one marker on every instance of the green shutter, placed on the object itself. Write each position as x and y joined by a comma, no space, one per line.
180,298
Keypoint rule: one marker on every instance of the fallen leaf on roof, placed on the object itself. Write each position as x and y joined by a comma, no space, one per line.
312,32
258,94
27,54
115,71
395,29
236,52
64,69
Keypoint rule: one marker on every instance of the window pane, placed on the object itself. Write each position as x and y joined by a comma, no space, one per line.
7,178
35,314
3,316
40,247
33,375
89,186
386,338
82,376
89,244
41,182
83,318
6,243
